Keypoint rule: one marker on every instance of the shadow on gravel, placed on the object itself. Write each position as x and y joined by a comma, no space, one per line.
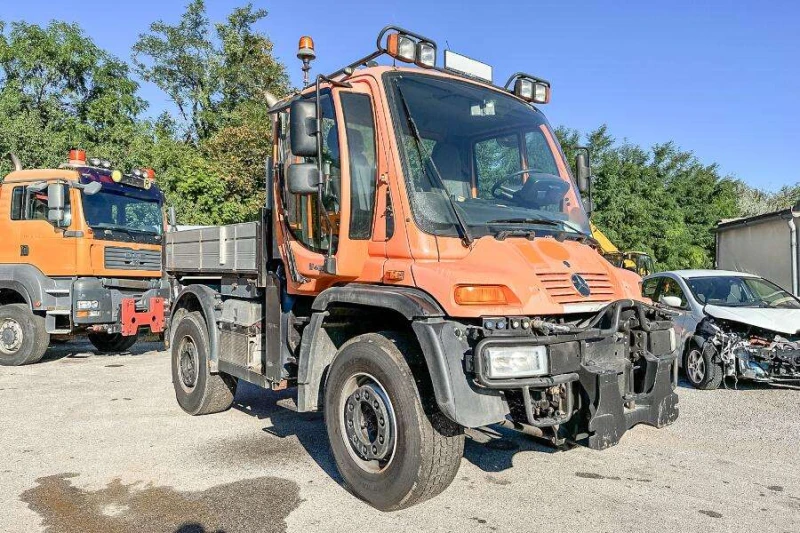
278,407
490,449
80,349
259,504
493,449
743,385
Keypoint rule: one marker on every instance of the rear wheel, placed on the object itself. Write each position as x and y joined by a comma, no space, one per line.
112,342
392,445
701,370
23,336
197,390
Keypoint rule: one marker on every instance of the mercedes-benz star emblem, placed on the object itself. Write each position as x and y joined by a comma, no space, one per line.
580,285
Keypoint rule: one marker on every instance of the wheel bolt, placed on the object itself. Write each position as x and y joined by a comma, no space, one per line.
358,396
374,449
380,439
381,421
366,395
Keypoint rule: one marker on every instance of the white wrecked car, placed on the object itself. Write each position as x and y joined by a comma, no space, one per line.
732,324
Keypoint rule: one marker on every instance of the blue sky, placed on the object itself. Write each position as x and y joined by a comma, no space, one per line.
718,78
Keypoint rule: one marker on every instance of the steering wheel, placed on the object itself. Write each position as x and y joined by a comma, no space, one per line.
536,183
501,192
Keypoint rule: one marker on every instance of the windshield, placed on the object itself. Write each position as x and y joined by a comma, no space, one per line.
733,291
495,157
123,211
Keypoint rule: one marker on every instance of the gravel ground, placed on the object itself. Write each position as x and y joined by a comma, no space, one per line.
98,443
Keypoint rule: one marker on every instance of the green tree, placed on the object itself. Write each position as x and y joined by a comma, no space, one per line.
208,73
58,90
663,201
218,76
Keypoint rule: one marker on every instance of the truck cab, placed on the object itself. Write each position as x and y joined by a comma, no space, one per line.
81,254
424,264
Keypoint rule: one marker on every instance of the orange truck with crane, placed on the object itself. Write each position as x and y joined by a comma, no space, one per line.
423,264
81,254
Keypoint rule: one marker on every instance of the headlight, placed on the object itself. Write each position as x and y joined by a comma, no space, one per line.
515,361
88,304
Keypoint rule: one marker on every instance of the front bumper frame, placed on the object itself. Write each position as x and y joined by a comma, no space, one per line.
618,371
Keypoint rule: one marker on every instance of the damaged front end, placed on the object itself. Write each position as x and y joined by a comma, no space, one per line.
605,373
749,352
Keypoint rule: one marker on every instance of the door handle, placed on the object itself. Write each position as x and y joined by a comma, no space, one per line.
24,250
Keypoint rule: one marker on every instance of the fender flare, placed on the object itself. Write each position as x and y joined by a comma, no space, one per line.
209,301
30,282
17,287
317,350
455,397
409,302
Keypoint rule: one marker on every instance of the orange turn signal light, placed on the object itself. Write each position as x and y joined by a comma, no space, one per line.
401,47
481,295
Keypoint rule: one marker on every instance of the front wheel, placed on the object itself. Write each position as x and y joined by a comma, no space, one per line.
392,445
112,342
23,336
701,369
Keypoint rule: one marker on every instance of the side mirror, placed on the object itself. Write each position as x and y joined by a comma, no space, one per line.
92,188
303,128
671,301
55,203
583,170
303,178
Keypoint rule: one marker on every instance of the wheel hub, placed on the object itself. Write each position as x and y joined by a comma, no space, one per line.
696,366
368,423
10,336
187,364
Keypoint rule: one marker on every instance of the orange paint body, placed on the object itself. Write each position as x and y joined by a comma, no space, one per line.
537,273
47,248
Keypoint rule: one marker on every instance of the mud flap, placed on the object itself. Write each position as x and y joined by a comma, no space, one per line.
612,414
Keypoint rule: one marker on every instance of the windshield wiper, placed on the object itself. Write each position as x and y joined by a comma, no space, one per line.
543,221
466,236
123,229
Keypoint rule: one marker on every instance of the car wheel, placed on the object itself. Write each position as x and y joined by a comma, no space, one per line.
700,369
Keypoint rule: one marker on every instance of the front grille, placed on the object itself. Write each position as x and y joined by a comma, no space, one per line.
130,259
560,288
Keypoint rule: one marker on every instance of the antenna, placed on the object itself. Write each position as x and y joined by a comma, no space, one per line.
305,53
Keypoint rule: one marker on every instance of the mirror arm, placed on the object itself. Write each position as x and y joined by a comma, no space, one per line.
330,262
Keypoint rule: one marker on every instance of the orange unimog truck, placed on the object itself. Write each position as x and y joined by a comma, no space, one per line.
80,254
424,264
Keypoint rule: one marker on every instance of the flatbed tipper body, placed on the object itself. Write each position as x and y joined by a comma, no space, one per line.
423,264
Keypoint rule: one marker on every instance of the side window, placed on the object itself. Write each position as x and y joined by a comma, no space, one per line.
27,204
314,225
540,157
496,159
17,202
670,287
360,130
649,288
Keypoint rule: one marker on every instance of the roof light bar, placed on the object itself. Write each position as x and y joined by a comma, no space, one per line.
408,47
529,88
